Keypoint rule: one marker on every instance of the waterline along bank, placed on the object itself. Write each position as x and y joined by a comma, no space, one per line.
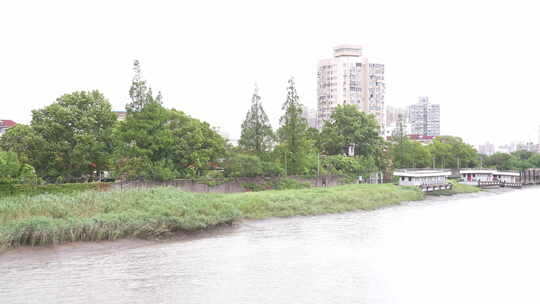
93,216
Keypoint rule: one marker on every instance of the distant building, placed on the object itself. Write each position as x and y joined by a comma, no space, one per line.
508,148
395,115
538,136
486,149
425,118
397,120
423,139
6,124
311,116
531,147
350,79
120,115
394,129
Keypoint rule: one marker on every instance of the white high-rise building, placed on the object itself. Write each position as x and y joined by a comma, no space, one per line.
486,149
310,115
538,136
350,78
425,118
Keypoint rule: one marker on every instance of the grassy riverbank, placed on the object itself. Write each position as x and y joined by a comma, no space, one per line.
93,216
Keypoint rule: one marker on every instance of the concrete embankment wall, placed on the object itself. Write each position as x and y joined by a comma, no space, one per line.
235,185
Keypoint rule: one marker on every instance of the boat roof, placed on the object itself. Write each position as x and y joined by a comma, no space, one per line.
508,173
422,173
478,171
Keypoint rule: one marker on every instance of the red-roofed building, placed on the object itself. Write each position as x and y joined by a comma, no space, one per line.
423,139
5,124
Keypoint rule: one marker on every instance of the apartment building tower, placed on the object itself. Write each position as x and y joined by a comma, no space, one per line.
350,79
425,118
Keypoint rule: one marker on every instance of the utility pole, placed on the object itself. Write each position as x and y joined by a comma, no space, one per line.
433,162
318,163
286,174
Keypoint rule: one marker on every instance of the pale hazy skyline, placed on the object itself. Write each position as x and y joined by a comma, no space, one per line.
477,59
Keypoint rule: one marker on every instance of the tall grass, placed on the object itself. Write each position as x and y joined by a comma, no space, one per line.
93,216
30,190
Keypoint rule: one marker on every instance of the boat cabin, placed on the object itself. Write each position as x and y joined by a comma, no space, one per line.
422,177
507,176
473,176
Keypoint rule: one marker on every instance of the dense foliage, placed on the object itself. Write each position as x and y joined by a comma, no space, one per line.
13,172
257,135
518,160
70,139
444,152
349,127
160,144
77,138
293,137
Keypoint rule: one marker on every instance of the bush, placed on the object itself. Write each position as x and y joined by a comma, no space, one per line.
289,183
14,172
243,165
272,169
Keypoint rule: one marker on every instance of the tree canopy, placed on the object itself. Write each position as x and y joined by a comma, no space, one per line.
447,151
12,171
257,135
293,133
347,126
406,153
67,140
157,143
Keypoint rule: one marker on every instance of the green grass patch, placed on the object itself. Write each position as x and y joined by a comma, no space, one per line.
92,215
457,188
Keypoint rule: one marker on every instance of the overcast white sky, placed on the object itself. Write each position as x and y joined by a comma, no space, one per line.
479,59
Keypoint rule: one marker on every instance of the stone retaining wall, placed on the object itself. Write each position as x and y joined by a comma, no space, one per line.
225,185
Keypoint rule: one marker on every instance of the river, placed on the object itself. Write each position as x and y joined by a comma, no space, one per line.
479,248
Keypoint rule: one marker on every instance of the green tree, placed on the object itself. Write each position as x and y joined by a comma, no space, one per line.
77,130
12,171
406,153
257,135
144,139
315,137
293,136
347,126
535,160
447,151
140,93
160,144
195,143
499,160
523,154
348,166
27,144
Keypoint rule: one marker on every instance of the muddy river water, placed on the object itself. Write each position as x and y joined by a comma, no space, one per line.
480,248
